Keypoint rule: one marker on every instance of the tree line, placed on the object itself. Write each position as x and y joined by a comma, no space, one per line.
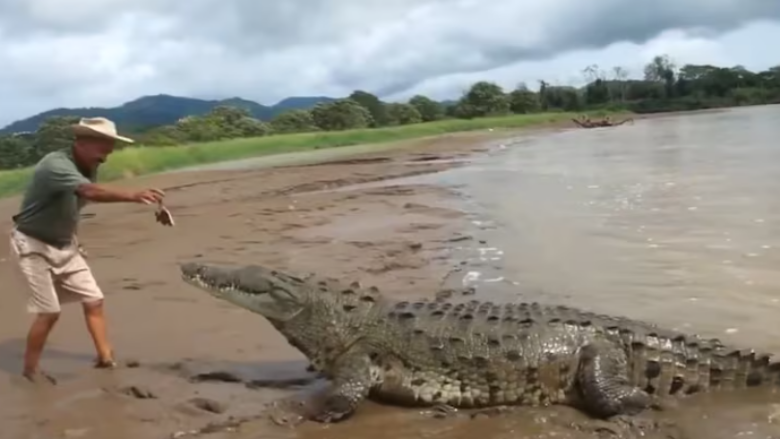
664,87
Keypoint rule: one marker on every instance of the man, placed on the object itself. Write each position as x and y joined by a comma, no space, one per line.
44,242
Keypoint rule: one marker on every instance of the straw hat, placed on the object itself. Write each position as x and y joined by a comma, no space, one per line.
100,127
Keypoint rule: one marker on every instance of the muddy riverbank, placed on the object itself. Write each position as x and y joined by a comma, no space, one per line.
196,361
397,237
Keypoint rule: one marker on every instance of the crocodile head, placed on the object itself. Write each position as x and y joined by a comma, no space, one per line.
318,319
257,289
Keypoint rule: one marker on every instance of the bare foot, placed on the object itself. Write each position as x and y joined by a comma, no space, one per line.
38,376
105,364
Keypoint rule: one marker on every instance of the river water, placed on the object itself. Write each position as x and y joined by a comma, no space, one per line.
674,220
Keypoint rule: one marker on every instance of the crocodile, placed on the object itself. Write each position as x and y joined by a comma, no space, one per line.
478,354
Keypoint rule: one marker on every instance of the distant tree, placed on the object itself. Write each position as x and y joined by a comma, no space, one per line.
483,99
543,97
619,83
343,114
54,133
168,135
199,129
597,93
659,69
402,114
223,122
229,115
16,152
429,109
294,121
452,109
770,78
592,73
374,106
638,90
522,100
249,127
662,69
463,109
562,98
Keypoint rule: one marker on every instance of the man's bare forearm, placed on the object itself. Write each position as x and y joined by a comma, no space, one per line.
102,194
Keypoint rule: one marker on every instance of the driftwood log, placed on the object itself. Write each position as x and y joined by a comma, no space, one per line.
597,123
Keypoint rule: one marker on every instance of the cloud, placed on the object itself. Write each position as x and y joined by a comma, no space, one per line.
738,47
105,52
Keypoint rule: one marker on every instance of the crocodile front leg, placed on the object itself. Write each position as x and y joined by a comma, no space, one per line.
350,385
602,378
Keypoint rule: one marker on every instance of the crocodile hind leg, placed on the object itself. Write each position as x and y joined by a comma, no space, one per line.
602,378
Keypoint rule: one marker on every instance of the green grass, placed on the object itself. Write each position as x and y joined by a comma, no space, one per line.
142,160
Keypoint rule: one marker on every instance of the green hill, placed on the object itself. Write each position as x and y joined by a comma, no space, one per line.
153,111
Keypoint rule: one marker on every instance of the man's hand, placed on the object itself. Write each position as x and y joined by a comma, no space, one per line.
149,196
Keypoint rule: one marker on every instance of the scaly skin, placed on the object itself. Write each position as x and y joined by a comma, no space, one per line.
478,354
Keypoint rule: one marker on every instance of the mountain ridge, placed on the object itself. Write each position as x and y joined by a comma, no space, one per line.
163,109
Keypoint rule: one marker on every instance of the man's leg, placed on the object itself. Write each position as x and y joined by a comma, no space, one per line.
96,325
78,281
44,304
36,340
35,270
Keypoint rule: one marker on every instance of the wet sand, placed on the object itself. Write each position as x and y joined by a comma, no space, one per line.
399,237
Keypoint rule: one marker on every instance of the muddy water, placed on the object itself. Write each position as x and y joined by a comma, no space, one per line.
673,220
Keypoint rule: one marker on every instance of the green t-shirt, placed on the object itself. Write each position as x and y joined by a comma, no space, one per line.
50,209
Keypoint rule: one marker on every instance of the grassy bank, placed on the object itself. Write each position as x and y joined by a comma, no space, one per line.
145,160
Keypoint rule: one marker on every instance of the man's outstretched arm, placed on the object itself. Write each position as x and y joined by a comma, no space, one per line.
103,194
64,176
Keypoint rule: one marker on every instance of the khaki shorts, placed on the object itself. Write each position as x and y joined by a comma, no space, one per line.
54,276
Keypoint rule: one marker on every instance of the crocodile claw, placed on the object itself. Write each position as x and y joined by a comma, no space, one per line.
289,412
442,411
335,408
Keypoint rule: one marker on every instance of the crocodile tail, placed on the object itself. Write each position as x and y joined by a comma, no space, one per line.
763,371
735,369
694,365
685,365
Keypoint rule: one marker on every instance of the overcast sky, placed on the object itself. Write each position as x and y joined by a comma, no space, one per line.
106,52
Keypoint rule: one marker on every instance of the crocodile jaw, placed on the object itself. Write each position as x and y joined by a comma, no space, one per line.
245,287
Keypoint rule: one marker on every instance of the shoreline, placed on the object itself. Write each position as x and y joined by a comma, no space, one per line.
139,161
132,166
